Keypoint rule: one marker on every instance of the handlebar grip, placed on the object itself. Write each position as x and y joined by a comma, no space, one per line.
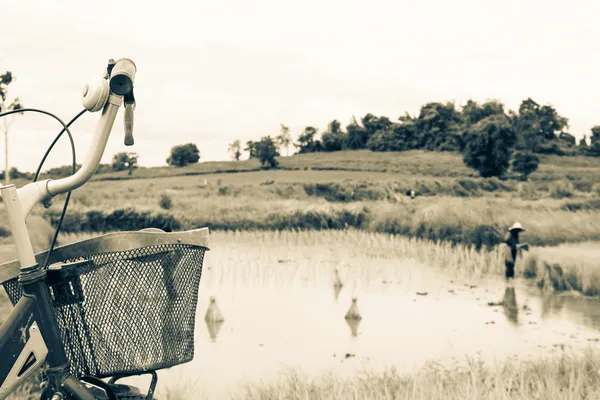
128,124
122,76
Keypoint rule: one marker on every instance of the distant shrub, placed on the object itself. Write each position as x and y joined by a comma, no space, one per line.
468,184
224,191
590,205
336,192
561,189
460,191
494,184
583,186
117,220
165,202
527,191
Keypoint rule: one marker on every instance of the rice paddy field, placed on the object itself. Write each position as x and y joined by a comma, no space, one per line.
435,318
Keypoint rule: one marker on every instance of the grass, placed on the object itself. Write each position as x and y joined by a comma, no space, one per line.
566,267
564,376
415,162
249,254
361,189
481,221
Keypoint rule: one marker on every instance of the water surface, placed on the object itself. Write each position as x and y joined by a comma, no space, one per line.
288,314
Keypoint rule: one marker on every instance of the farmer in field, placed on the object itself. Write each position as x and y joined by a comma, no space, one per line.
513,248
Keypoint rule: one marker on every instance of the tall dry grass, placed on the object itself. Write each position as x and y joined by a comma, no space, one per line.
574,267
557,377
566,267
481,221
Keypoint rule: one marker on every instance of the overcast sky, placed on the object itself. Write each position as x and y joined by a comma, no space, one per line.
212,72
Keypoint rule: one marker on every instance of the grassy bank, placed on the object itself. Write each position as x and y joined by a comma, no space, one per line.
582,171
478,221
561,376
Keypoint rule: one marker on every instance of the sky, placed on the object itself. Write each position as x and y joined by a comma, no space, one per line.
211,72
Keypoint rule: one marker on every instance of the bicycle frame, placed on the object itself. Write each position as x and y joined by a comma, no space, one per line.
30,337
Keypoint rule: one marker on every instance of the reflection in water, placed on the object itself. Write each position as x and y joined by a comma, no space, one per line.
336,291
353,324
551,304
337,284
336,279
511,309
213,329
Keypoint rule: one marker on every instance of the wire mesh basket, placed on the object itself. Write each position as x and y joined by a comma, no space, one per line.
125,302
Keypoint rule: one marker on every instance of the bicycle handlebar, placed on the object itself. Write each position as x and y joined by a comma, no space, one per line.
106,95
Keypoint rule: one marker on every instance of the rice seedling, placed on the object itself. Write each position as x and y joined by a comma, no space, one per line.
566,267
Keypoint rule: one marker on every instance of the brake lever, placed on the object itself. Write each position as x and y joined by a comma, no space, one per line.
129,101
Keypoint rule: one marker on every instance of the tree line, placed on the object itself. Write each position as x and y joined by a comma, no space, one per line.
490,138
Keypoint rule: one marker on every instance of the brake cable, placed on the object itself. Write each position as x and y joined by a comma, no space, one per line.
37,173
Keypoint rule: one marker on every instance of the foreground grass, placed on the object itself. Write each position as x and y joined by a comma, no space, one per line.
564,376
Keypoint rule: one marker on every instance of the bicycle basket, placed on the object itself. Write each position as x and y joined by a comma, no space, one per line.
125,302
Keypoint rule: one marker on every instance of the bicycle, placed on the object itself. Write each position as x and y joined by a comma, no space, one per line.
113,306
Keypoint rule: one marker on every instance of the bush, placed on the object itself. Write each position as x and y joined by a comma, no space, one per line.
117,220
165,202
525,163
183,155
561,189
527,191
224,191
489,145
589,205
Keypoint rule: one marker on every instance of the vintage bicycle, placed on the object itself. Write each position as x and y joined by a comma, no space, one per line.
113,306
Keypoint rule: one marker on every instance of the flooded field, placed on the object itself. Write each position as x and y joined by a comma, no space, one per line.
281,310
418,303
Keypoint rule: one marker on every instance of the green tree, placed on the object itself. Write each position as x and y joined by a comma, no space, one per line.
251,149
594,148
489,145
440,127
334,138
356,136
266,152
567,139
306,141
183,155
473,112
399,137
525,163
372,124
537,126
5,105
284,139
582,146
235,149
123,161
